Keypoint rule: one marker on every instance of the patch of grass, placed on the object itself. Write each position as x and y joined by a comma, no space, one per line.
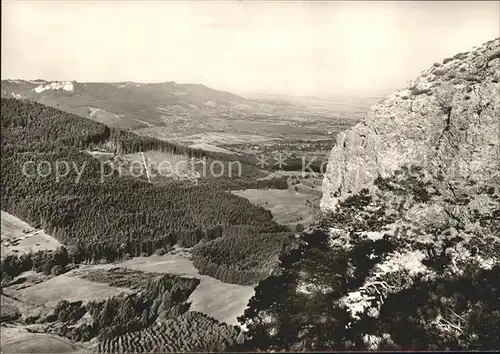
287,206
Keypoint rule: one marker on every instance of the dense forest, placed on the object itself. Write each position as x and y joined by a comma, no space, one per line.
189,332
240,259
48,181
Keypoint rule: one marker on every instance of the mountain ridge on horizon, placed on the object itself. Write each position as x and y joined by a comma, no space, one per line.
143,106
249,95
126,105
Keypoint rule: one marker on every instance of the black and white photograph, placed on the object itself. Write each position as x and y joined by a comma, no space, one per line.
249,176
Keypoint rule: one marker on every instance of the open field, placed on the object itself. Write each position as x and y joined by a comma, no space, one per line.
19,237
294,205
298,148
62,287
39,294
287,206
16,339
224,302
208,147
160,164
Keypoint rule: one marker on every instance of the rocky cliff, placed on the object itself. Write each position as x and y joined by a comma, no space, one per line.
406,255
446,121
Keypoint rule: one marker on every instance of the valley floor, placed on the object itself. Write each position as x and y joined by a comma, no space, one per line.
292,206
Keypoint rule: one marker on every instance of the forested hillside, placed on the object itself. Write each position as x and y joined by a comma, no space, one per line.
106,218
407,253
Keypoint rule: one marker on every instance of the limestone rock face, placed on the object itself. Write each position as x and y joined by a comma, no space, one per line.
446,122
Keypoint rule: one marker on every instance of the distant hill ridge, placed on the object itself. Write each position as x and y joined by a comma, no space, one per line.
446,119
127,105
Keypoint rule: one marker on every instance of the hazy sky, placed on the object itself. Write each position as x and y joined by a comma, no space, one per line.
317,48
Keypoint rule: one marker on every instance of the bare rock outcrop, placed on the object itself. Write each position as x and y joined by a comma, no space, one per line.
407,252
446,122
